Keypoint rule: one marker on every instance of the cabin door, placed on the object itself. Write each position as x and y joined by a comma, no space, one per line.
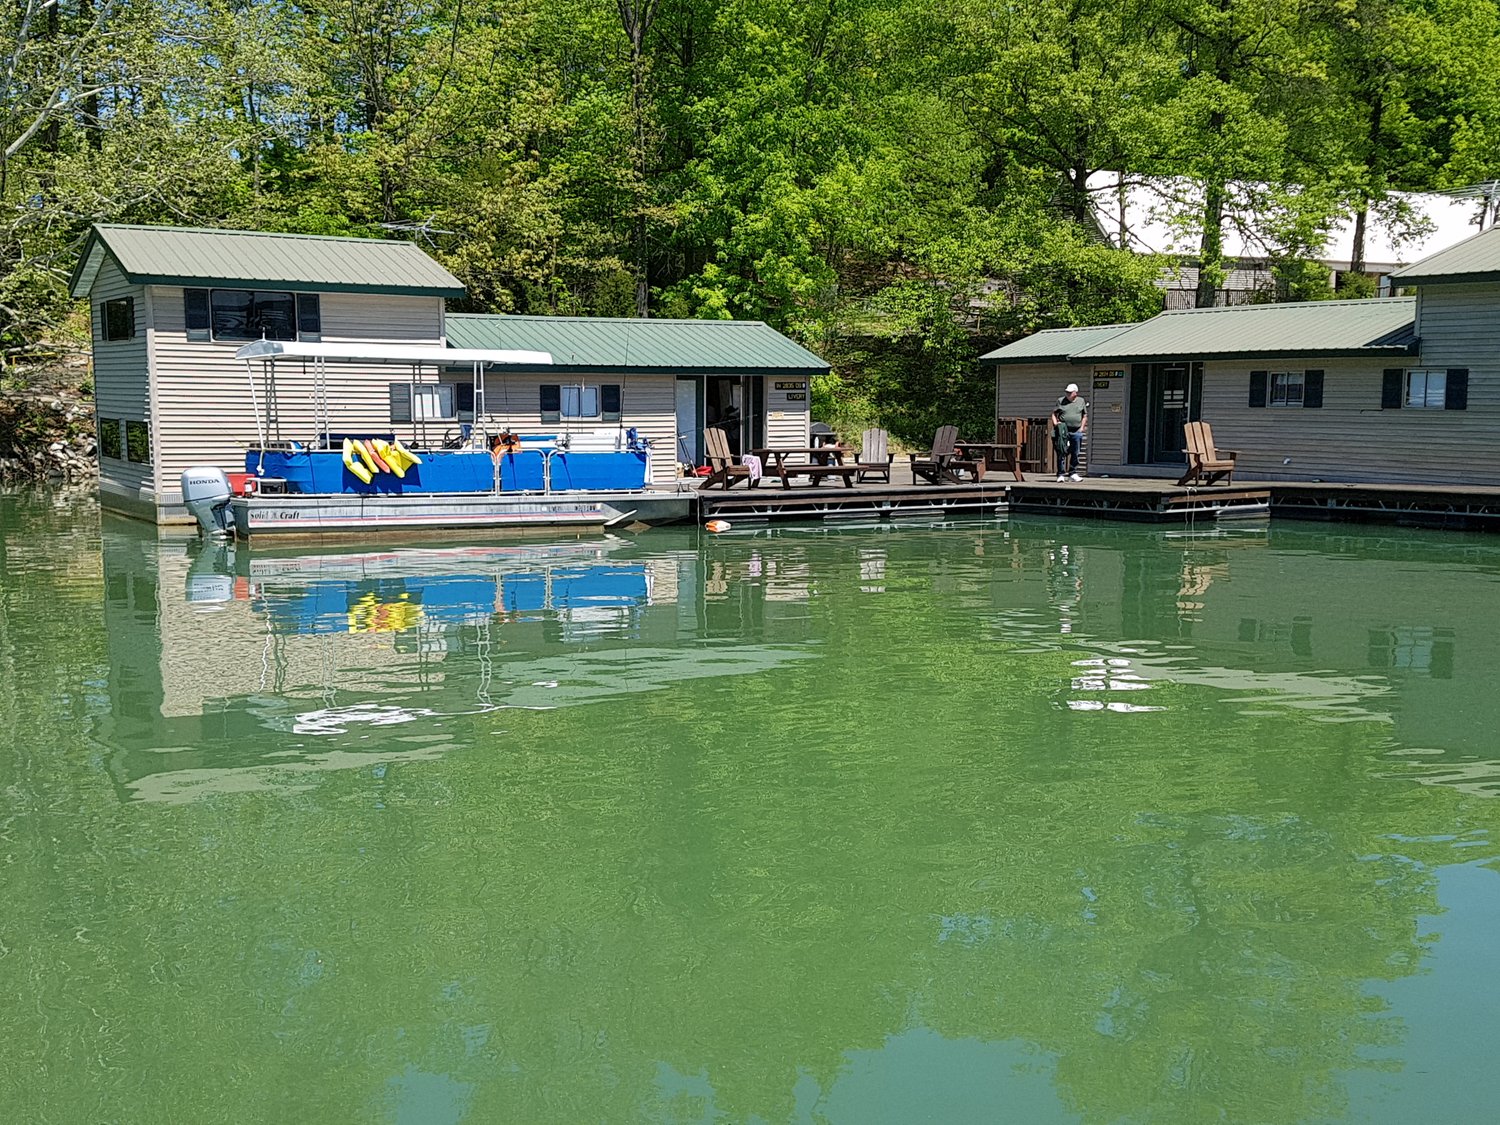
733,403
1163,398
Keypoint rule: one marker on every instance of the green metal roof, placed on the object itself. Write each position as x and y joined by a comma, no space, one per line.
1476,258
1053,344
682,346
1383,326
189,256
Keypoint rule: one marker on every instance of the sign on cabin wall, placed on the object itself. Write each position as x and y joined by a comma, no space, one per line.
792,385
1109,373
796,396
1101,384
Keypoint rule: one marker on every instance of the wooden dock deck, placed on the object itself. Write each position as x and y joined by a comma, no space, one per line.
1141,499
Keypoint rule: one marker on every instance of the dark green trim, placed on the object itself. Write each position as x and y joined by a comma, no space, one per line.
1035,359
1292,353
594,369
1402,280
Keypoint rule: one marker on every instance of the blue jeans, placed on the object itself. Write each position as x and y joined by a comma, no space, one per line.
1075,450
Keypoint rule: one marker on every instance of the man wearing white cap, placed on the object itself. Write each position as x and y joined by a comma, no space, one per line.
1069,419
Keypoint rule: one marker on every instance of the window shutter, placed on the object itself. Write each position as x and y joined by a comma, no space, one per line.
309,316
1458,389
1391,388
1257,388
551,403
1312,388
609,402
195,313
463,400
400,403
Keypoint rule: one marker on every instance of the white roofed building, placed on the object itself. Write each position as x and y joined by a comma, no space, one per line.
1158,215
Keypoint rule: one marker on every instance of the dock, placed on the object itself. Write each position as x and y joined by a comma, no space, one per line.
1153,501
1140,499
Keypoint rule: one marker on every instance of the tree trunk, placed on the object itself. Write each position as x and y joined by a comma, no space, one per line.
1357,253
1211,248
636,17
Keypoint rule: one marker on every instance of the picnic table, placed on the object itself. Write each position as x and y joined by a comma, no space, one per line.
822,461
993,455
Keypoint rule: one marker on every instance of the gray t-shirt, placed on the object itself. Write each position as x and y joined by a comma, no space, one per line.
1072,413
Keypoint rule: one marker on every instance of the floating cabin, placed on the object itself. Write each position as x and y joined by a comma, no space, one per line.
172,306
1401,389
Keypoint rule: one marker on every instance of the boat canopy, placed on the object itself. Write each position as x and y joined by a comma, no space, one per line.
363,352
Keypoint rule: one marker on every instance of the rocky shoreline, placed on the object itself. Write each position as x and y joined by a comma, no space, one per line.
47,437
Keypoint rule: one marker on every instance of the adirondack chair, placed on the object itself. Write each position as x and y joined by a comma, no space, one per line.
721,461
874,455
1205,462
942,462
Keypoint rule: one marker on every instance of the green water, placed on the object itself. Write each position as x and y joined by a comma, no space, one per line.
1017,821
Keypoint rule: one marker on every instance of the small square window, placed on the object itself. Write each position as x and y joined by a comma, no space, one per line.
119,318
1286,388
433,402
580,402
1427,388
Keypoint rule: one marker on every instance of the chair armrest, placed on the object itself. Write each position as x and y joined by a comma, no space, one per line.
1232,454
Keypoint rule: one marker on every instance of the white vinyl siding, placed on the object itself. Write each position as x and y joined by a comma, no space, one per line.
787,419
205,414
1349,438
122,384
1031,390
513,402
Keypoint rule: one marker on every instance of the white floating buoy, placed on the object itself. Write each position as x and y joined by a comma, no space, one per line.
716,525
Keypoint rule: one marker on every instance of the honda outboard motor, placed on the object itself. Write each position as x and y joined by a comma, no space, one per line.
206,493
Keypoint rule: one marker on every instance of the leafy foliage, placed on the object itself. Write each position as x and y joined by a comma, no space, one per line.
894,183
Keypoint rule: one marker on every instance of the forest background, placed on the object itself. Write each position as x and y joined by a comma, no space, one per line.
898,184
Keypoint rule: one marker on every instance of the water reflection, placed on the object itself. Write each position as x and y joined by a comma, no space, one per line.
379,647
832,825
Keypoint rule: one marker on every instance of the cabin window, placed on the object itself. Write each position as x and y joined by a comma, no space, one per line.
424,402
1425,388
119,318
242,314
309,317
560,400
1286,388
138,443
109,438
195,316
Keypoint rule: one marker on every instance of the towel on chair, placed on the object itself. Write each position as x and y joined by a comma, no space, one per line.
752,462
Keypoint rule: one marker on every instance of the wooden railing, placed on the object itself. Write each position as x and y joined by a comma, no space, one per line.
1033,437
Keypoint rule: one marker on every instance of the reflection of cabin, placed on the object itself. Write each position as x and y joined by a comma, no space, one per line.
171,307
1395,389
